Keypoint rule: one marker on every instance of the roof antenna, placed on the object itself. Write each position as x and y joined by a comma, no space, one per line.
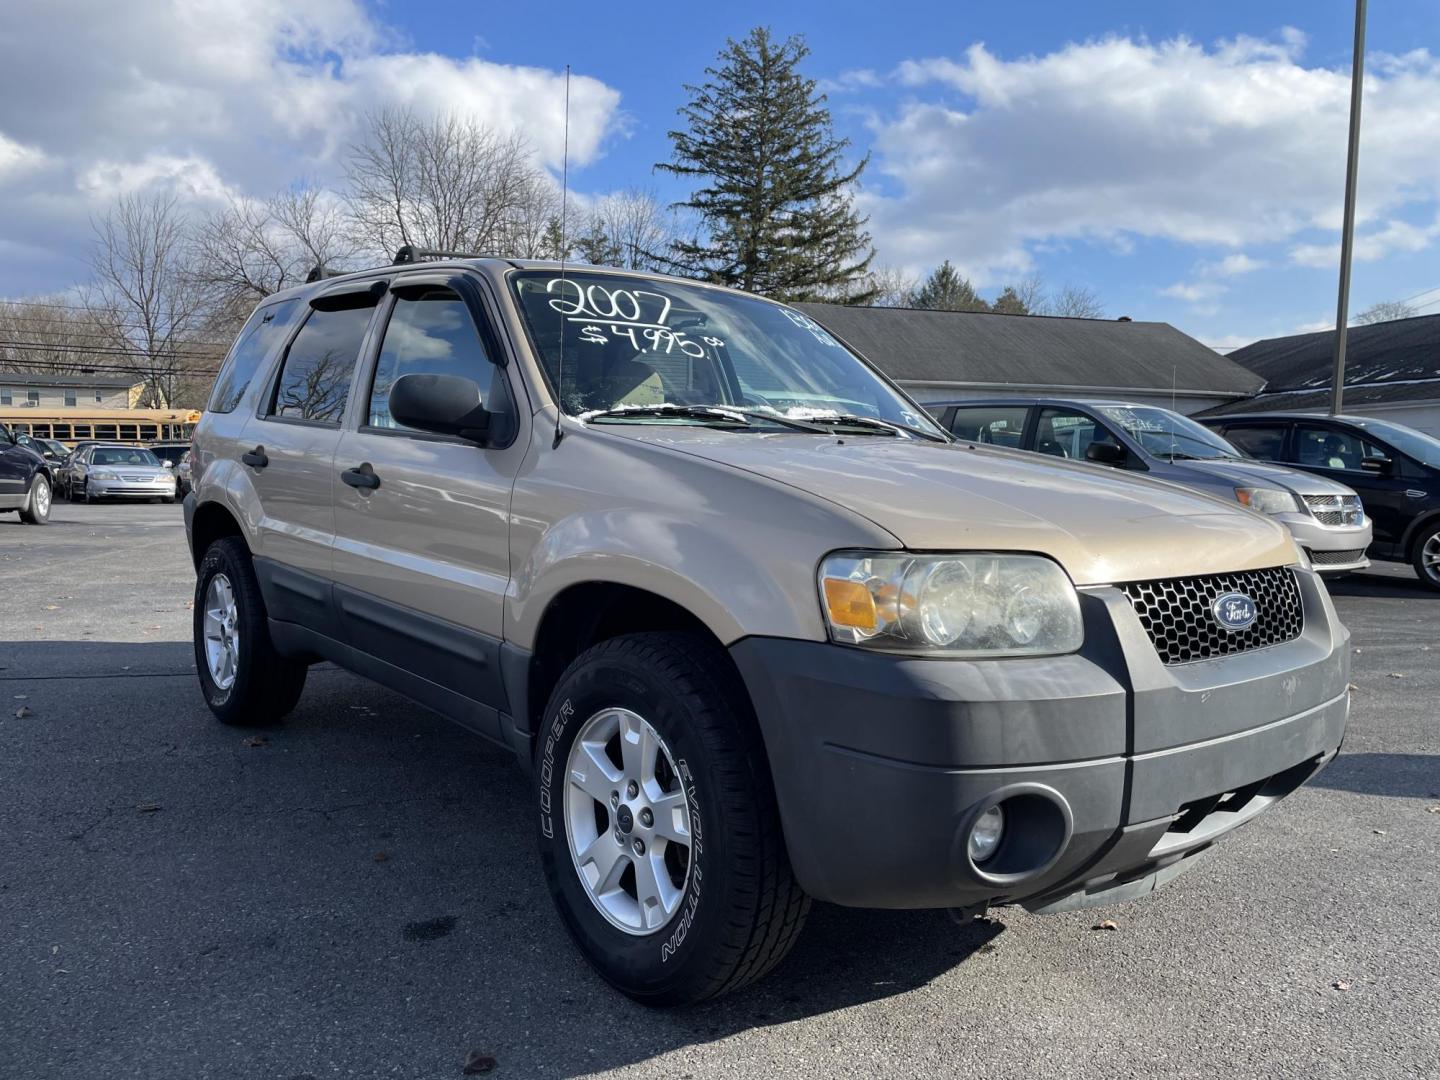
564,215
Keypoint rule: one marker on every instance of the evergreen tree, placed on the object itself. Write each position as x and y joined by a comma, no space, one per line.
946,289
775,202
1010,303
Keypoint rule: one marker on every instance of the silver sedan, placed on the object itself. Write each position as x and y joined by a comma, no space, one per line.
118,472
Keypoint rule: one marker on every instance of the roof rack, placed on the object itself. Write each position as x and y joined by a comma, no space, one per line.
319,272
412,254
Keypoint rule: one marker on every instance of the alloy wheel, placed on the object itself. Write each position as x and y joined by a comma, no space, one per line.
627,820
1430,558
222,638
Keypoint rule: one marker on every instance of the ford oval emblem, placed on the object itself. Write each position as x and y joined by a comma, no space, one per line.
1234,611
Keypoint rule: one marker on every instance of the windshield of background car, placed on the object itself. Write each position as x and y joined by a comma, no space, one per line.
1416,444
632,342
1168,434
122,456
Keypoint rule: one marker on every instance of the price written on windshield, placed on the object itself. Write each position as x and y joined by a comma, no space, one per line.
636,315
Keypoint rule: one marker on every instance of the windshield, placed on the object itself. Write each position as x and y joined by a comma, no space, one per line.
1416,444
1168,434
661,350
122,455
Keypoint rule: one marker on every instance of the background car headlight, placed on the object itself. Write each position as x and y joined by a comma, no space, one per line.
953,605
1267,500
101,474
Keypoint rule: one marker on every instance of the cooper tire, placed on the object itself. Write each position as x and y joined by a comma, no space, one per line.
740,910
1426,556
37,508
260,687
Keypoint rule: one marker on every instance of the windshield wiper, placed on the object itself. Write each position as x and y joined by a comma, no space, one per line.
703,413
873,422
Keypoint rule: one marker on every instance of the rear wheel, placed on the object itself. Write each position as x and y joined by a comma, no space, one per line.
37,510
1426,559
244,680
660,837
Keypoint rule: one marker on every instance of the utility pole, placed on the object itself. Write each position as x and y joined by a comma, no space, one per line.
1347,229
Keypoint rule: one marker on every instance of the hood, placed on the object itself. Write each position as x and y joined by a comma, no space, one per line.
1103,526
1264,474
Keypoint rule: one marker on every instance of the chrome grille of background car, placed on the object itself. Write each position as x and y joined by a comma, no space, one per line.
133,479
1336,558
1176,613
1335,509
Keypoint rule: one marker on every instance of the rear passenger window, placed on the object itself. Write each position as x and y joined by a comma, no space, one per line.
258,338
1264,443
430,332
1003,425
314,381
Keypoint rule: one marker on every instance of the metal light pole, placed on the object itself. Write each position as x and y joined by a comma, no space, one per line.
1347,229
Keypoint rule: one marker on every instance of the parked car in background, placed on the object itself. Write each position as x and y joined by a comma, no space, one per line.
118,472
758,629
1325,517
1395,468
52,450
26,480
174,454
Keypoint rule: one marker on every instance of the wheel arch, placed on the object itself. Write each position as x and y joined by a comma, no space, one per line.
584,614
212,520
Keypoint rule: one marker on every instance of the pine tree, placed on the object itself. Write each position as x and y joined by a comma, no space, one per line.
775,205
1010,303
946,289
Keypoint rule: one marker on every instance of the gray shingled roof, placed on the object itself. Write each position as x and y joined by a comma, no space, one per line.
1388,361
971,348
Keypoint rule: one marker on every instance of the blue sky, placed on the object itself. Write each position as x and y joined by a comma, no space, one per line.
1183,160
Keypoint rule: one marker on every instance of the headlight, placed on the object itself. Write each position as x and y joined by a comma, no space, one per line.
952,605
1267,500
101,474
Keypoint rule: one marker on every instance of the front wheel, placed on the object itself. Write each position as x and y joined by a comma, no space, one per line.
244,680
37,509
659,834
1426,559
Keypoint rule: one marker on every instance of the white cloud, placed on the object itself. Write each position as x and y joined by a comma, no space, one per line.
1230,145
1370,246
209,97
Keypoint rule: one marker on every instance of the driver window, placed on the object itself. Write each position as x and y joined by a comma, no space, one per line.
430,332
998,425
1327,448
1068,434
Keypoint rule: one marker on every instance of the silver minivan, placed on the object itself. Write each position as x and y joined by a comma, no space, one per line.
1326,518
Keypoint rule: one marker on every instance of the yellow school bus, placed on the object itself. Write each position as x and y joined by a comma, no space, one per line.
70,425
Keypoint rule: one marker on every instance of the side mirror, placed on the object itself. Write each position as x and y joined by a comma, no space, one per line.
1382,465
167,463
1103,453
442,404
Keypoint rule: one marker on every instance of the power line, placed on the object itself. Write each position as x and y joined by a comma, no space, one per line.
1422,292
65,334
103,350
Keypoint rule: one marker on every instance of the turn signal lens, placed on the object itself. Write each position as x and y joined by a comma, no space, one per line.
849,603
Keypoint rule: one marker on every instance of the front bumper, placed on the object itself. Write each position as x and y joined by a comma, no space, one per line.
163,488
1113,767
1333,549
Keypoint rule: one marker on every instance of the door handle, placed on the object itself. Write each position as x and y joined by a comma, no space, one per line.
256,458
363,476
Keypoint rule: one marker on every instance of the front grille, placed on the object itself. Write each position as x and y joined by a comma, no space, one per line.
1336,509
1176,613
1335,558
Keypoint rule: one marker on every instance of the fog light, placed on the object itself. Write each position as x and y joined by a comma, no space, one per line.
985,835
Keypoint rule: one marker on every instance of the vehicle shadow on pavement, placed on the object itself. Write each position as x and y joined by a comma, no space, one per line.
364,876
1405,776
1386,586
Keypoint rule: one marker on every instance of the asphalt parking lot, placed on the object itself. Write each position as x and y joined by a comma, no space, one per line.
356,892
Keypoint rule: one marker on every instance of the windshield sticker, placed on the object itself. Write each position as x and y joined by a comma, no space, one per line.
634,315
818,332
